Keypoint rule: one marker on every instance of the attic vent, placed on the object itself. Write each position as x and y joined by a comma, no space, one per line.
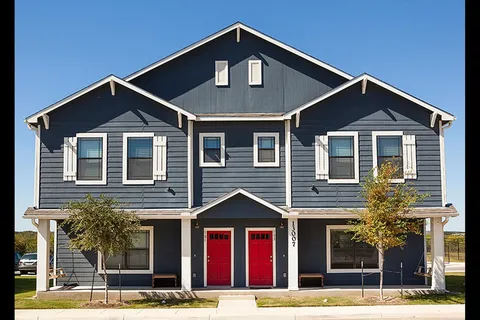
221,73
254,72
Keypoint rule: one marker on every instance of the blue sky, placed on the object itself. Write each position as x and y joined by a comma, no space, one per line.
63,46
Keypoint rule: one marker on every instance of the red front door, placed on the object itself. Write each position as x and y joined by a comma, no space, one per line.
260,258
218,258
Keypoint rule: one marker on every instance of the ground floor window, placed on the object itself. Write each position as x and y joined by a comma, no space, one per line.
138,259
345,254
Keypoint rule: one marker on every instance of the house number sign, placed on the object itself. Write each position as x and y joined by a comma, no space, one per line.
293,233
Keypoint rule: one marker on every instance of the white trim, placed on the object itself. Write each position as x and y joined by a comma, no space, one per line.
444,115
55,234
36,178
240,118
288,165
112,87
276,136
104,158
245,28
232,255
425,248
364,86
292,253
46,120
443,175
233,193
238,34
375,134
34,118
43,255
190,164
150,256
274,255
218,67
186,254
433,118
329,258
220,135
179,118
250,80
127,135
356,155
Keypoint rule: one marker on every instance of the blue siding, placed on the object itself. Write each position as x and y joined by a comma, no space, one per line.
349,110
288,80
127,111
239,172
312,257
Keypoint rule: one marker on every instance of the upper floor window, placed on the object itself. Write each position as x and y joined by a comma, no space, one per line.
144,158
221,73
397,148
337,157
212,149
266,149
85,159
254,72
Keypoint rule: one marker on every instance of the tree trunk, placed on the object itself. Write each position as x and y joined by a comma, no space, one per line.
380,264
105,279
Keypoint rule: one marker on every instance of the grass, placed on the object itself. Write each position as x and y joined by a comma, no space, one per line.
25,292
455,284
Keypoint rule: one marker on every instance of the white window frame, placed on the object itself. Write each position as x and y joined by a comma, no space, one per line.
104,158
218,63
220,135
127,135
329,257
276,136
376,134
129,271
250,81
356,155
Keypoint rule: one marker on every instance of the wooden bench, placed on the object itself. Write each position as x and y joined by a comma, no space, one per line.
310,275
163,276
56,273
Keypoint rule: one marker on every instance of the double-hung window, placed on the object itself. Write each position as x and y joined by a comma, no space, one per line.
337,157
138,259
85,159
212,149
397,148
266,149
144,158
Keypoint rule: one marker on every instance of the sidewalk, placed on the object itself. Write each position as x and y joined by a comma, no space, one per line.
449,312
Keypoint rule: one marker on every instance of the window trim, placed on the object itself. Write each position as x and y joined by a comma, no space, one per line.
218,63
129,271
103,181
356,155
220,135
376,134
331,227
127,135
250,81
276,136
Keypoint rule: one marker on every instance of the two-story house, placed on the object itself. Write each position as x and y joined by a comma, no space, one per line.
242,156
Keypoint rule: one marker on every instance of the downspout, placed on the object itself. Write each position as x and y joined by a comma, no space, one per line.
447,125
444,222
34,223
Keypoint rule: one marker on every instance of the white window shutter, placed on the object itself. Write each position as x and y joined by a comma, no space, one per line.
255,72
69,158
159,158
409,157
321,157
221,73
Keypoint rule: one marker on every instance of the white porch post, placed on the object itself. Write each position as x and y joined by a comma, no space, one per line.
186,254
292,254
43,254
438,267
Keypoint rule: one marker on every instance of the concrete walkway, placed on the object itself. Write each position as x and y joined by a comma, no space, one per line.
445,312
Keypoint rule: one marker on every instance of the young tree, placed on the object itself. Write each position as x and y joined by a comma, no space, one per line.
100,225
384,222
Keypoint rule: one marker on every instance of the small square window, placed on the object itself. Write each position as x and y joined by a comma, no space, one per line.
266,149
212,149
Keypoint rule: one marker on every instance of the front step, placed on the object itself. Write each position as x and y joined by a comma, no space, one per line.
236,304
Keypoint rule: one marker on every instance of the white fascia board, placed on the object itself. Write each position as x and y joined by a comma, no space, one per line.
33,118
245,28
239,118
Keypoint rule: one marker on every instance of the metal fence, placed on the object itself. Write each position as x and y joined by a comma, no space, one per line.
454,251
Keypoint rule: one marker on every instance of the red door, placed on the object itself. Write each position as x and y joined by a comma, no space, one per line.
260,258
218,258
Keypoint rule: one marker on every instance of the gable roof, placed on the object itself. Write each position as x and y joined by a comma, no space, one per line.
443,114
247,29
227,196
34,117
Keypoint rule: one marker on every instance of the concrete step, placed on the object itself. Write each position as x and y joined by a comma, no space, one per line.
236,304
237,297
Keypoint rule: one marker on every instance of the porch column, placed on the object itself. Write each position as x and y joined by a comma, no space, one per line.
292,254
186,244
43,254
438,267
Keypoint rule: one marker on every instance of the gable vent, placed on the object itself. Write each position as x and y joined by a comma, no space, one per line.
254,72
221,73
